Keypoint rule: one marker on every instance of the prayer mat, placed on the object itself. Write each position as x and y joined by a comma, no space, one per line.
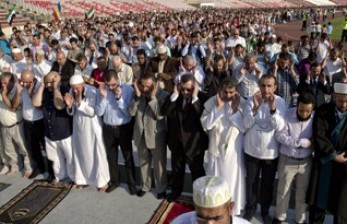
33,203
167,212
4,186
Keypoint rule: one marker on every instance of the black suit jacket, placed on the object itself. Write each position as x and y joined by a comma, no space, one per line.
317,92
194,139
66,72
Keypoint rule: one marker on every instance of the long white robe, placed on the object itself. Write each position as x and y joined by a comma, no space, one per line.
225,155
89,153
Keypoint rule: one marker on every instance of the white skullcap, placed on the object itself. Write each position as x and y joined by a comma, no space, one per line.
131,24
210,192
340,88
40,52
76,79
273,36
161,49
16,51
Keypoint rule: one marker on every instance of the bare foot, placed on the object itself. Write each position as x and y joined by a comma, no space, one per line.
27,174
10,172
103,189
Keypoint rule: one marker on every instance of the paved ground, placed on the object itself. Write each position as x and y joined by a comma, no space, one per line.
88,206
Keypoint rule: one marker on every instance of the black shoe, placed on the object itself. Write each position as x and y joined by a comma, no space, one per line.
140,193
50,178
267,219
132,190
276,221
161,195
248,216
112,188
173,197
34,173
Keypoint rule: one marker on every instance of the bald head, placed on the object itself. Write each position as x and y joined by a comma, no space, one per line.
27,78
49,79
61,58
117,62
27,74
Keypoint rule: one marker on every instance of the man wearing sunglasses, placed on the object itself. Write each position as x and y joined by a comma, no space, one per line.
187,140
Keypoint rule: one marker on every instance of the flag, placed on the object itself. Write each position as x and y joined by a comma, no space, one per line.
90,13
57,11
10,16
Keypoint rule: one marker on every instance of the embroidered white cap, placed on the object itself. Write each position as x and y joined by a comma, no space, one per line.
16,51
340,88
210,192
76,79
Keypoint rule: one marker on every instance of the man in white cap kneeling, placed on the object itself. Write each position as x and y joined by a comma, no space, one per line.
213,203
329,174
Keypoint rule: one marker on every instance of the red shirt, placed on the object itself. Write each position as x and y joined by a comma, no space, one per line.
98,76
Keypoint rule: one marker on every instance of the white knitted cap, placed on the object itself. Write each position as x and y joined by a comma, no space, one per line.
210,191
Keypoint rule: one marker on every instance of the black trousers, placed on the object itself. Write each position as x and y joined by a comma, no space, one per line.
178,164
34,134
115,136
268,169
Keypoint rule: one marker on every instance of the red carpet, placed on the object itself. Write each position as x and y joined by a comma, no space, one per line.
166,212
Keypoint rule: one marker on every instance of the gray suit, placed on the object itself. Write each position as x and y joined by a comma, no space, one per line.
150,139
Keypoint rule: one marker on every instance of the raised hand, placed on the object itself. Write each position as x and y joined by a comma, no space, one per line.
257,72
102,90
137,88
32,86
271,99
4,89
176,87
257,100
235,102
56,81
118,92
68,99
322,77
196,89
220,101
155,89
19,87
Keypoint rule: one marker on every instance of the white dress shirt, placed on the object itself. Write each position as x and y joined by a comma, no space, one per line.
18,66
42,69
260,141
232,41
30,113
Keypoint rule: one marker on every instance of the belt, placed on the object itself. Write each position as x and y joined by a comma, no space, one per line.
11,126
33,122
297,159
116,126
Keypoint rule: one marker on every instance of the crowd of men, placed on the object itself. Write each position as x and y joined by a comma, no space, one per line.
219,90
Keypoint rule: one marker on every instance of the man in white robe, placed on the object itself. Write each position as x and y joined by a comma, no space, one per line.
89,154
222,120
